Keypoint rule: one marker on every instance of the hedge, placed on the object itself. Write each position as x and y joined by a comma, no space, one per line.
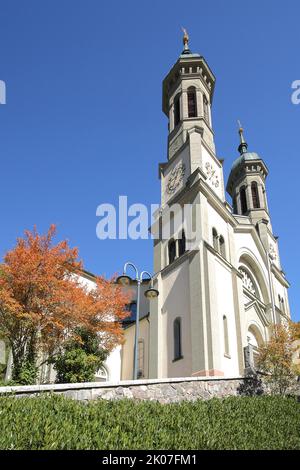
56,422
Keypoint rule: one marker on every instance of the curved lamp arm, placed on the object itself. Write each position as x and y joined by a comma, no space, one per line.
148,274
132,266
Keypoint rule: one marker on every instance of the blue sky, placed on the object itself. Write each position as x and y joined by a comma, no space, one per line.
83,121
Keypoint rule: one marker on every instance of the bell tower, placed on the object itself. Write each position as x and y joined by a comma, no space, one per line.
247,184
247,187
187,97
191,177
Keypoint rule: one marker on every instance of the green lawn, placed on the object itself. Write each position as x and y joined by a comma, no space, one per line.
232,423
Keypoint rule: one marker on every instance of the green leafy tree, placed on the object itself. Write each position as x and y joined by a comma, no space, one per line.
80,359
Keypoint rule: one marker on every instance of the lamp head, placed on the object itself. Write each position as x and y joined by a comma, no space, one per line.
151,293
123,280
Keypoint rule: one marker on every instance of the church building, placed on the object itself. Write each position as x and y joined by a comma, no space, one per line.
219,277
218,296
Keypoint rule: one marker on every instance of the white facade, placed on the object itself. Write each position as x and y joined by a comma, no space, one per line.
226,286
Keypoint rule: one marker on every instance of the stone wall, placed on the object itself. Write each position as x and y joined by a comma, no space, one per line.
162,390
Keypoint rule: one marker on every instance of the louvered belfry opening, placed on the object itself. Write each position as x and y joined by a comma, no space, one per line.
192,104
255,195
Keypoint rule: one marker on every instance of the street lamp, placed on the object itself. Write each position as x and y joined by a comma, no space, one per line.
150,293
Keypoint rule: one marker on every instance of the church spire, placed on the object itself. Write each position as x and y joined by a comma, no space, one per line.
243,145
185,40
187,97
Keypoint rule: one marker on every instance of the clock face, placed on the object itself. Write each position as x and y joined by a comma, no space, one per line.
175,178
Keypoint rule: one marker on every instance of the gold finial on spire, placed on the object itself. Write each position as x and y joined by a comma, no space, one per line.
241,132
185,37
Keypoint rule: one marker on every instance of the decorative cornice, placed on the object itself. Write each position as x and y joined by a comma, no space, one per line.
283,314
177,262
254,299
260,311
219,256
279,276
244,169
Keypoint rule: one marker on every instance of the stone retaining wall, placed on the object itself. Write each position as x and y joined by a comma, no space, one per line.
162,390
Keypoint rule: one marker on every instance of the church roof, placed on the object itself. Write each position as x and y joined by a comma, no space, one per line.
247,156
239,163
189,55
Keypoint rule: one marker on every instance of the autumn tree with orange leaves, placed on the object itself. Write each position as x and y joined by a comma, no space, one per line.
43,302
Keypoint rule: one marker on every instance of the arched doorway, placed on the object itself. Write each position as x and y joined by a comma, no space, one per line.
255,342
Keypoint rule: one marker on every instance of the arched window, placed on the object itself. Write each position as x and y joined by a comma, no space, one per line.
177,339
176,110
243,200
192,102
205,109
172,251
226,337
255,195
222,246
215,239
249,282
181,244
102,375
281,303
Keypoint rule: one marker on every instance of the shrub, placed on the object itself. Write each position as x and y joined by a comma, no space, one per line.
80,359
276,359
8,383
76,366
28,373
268,422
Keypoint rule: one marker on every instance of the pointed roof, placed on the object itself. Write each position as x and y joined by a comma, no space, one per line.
243,149
240,162
243,145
